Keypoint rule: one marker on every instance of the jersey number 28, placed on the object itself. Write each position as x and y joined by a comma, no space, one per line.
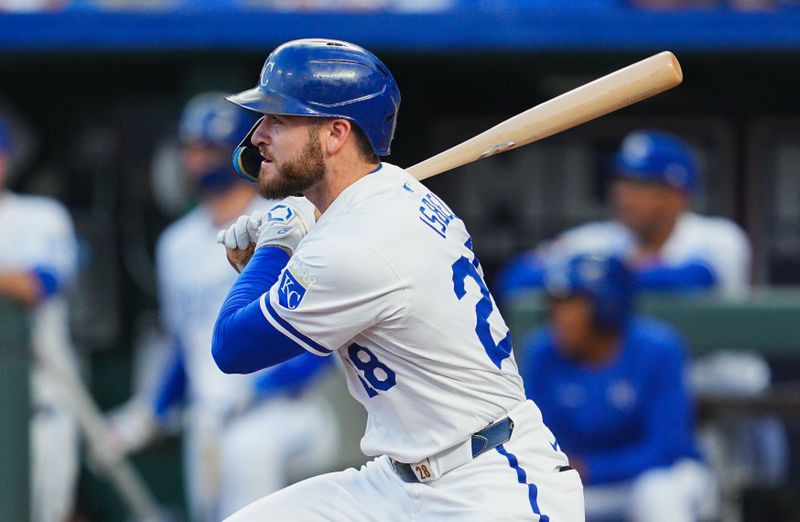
462,269
373,374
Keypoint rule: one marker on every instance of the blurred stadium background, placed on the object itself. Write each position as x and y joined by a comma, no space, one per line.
93,90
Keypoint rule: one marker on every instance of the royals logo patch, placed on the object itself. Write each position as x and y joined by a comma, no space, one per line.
294,283
290,291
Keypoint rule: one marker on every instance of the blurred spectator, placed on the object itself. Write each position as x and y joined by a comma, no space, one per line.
38,255
352,5
30,6
242,431
670,248
611,386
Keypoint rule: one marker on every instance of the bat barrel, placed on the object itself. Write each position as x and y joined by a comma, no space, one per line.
614,91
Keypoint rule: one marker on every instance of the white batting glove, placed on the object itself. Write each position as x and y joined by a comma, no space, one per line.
242,233
286,224
130,427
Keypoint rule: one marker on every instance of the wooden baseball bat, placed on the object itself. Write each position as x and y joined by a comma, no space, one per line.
614,91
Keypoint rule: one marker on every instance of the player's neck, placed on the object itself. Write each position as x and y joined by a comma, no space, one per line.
226,206
654,239
602,348
338,176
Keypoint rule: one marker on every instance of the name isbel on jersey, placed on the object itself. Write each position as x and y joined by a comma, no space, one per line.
435,213
293,285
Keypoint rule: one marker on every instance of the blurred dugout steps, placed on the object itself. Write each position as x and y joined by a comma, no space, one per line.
15,409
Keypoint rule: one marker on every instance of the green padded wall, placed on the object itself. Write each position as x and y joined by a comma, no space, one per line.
14,412
767,321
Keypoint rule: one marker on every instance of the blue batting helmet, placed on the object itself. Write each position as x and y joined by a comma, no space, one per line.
207,117
606,281
5,137
328,78
657,157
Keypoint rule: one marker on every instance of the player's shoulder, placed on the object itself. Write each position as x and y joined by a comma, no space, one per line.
540,344
605,228
601,237
594,232
374,204
183,229
713,228
39,208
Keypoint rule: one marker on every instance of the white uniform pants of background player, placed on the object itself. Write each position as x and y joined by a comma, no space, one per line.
684,492
233,461
54,430
519,480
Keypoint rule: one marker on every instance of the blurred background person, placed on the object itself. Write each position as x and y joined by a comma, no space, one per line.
613,387
243,432
670,248
38,259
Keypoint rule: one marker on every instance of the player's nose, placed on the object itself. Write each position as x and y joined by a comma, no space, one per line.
261,135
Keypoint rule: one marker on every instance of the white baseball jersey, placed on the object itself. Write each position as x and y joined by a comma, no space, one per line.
717,242
194,278
387,278
37,232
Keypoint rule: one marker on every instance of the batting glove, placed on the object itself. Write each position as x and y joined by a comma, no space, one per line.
242,233
286,224
131,427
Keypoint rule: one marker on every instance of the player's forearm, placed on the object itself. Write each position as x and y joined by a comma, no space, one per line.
695,275
244,341
21,286
173,386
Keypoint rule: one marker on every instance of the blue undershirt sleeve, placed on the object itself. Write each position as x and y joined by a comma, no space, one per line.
48,279
694,275
244,341
292,376
173,385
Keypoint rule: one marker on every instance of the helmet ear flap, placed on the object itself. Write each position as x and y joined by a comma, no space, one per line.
246,158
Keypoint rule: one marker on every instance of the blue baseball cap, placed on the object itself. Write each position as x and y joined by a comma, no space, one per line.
5,137
657,157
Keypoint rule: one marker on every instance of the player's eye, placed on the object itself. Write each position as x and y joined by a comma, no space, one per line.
276,120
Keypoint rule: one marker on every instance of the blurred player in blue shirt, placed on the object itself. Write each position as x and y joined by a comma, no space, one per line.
669,247
611,385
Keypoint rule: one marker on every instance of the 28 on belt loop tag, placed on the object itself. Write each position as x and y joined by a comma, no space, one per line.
422,470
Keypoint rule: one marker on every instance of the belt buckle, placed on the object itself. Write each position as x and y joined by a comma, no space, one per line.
422,470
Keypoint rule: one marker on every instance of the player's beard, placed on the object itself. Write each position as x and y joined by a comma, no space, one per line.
295,176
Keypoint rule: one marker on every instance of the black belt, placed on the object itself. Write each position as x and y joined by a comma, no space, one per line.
482,441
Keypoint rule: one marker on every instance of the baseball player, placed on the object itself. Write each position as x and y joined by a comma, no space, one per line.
38,258
386,280
612,386
227,462
669,247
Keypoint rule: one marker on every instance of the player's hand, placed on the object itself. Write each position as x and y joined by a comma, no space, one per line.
286,224
130,427
242,233
240,239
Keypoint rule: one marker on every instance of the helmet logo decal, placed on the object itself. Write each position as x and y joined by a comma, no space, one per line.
265,73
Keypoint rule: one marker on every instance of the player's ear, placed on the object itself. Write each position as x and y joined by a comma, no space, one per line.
339,130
